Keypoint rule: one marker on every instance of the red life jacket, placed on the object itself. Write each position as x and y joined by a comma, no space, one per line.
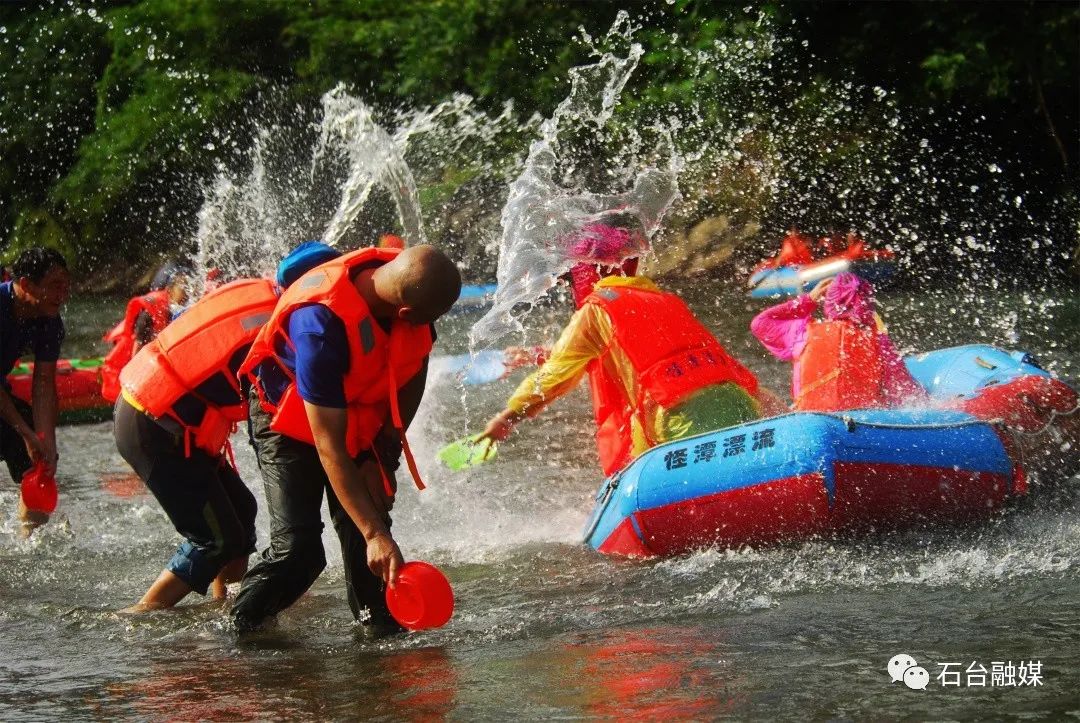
673,356
196,349
156,305
379,363
840,368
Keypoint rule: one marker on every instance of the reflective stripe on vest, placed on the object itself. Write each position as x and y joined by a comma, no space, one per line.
840,367
195,348
379,363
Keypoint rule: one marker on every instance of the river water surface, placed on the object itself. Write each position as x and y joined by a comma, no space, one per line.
545,628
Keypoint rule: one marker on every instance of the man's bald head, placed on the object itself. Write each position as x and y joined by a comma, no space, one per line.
426,281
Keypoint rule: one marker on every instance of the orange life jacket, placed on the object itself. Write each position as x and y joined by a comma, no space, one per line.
122,336
195,349
794,251
379,363
840,367
673,356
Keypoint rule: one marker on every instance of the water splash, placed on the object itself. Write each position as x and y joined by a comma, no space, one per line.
243,223
546,204
375,158
335,173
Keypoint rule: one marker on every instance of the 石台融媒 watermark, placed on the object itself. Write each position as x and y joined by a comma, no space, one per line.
1001,673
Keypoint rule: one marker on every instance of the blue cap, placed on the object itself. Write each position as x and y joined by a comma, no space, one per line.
303,259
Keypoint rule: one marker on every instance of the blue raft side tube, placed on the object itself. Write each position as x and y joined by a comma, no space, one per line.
962,371
476,293
775,283
794,444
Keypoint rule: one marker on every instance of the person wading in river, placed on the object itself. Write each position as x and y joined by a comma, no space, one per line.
180,400
30,321
179,403
337,375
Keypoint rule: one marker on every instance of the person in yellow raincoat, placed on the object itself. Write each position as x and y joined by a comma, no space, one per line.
655,372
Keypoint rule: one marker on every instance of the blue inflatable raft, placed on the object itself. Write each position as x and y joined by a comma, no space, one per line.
475,295
808,473
795,280
800,475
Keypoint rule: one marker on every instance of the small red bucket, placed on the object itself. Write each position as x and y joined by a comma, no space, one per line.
39,489
422,597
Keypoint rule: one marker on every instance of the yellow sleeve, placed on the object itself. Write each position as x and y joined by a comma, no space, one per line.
585,338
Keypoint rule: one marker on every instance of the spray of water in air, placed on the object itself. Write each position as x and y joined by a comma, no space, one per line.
547,202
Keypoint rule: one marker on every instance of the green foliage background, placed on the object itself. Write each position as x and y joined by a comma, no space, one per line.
112,112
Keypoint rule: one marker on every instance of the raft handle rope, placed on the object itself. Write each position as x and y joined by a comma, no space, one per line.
604,499
851,424
1054,414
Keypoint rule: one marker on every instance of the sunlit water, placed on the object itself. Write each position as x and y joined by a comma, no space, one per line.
545,628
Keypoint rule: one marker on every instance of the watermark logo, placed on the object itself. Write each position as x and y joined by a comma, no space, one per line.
1001,674
904,667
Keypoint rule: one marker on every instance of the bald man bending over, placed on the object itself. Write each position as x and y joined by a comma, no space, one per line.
337,374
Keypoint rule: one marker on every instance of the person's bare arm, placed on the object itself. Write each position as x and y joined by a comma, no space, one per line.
501,425
328,425
44,402
10,414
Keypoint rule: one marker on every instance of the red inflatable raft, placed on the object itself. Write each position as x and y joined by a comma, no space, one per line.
78,386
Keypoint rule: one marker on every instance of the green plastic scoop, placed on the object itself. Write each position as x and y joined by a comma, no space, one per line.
468,452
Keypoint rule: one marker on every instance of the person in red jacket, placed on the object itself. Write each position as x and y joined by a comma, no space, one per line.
146,315
180,401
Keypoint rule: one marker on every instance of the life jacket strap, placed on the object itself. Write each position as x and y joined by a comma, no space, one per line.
818,383
395,416
229,451
387,487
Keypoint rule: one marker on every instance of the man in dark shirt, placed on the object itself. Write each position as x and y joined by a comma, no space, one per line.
30,322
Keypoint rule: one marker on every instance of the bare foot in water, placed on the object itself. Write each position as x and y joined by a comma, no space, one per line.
31,520
141,607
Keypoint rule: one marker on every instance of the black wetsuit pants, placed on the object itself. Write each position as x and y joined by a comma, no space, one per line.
203,496
295,482
12,445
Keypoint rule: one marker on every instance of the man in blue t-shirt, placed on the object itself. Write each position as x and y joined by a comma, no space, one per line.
416,287
30,323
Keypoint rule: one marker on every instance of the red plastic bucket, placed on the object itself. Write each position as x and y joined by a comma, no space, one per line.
39,489
422,597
